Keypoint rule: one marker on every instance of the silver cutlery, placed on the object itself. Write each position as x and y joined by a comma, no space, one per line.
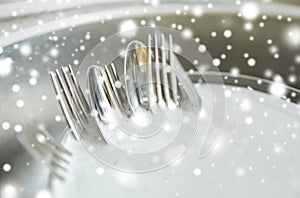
79,116
44,148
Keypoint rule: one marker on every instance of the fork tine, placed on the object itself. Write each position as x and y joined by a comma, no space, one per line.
74,94
44,151
48,155
64,105
81,98
70,101
119,91
173,75
112,79
102,106
50,144
24,140
66,92
157,73
49,138
150,82
57,165
71,91
110,88
166,87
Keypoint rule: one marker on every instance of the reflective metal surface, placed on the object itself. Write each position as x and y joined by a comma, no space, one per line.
258,152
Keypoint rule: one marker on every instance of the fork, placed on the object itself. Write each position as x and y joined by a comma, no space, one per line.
82,120
43,147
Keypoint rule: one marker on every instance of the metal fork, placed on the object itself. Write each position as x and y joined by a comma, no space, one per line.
155,66
162,81
43,147
79,116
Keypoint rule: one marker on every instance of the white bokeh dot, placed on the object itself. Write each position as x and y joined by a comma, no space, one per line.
227,93
18,128
251,62
216,62
249,11
15,88
20,103
227,33
197,171
5,125
57,118
6,66
213,34
44,194
100,171
6,167
248,120
202,48
33,81
25,50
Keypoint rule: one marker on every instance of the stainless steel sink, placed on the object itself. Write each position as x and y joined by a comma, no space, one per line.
258,154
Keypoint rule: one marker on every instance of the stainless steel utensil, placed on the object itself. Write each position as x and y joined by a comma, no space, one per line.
156,71
44,148
78,114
